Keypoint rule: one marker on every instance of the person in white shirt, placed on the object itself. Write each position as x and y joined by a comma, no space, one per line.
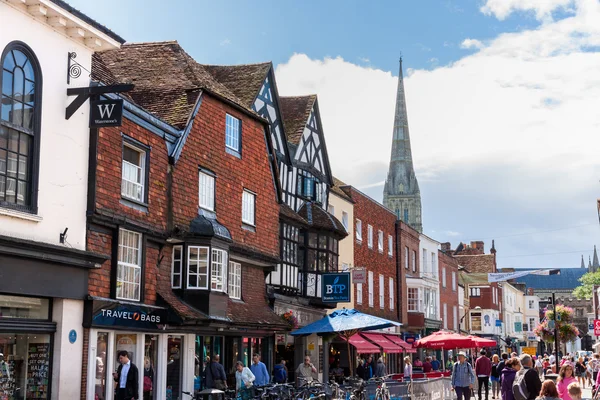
126,378
244,381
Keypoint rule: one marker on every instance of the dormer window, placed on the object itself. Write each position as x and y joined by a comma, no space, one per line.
309,187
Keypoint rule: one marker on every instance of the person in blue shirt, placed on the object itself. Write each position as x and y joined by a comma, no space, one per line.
259,369
463,377
435,364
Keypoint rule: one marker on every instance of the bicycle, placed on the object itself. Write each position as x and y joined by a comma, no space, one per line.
382,392
356,386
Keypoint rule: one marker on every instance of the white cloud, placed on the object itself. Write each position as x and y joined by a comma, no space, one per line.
364,60
225,42
504,139
471,44
542,8
452,233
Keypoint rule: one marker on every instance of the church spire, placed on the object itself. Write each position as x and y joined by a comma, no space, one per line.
582,262
595,263
401,192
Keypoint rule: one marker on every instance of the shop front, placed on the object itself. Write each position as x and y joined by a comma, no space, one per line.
165,359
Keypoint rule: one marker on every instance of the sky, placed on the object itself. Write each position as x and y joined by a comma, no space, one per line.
503,101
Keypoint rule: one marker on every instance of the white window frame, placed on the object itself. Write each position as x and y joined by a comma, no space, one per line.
445,316
391,290
331,209
234,282
474,292
249,207
443,277
358,230
370,236
381,291
345,220
531,304
233,134
455,315
414,296
534,325
406,255
126,269
434,271
454,281
424,262
414,261
138,189
174,262
198,274
390,245
380,241
359,293
371,299
218,270
206,191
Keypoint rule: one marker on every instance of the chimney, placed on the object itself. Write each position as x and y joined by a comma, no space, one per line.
530,291
446,247
479,246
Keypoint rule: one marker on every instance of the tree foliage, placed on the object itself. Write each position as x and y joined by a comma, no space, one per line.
584,291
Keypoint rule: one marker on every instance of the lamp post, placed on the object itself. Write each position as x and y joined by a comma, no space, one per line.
553,301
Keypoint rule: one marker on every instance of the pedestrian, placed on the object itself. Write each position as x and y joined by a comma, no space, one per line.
126,377
566,376
574,391
418,363
483,370
148,378
449,364
215,374
463,378
427,367
548,391
502,364
306,372
595,366
580,371
259,369
495,376
407,369
368,374
552,358
380,370
281,372
539,366
244,381
511,367
360,370
532,379
435,364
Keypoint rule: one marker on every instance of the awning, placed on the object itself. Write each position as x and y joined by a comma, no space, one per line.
361,344
386,345
406,346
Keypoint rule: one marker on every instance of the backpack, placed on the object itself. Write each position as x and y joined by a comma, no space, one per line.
519,387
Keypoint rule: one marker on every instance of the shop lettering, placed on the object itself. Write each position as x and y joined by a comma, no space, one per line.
335,288
134,316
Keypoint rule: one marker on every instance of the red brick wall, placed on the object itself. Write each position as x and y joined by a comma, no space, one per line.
372,213
486,300
205,147
448,296
406,237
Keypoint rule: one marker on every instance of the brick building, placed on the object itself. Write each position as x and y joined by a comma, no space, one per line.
190,233
412,318
449,297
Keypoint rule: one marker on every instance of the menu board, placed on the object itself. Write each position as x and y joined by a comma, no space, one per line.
7,379
37,371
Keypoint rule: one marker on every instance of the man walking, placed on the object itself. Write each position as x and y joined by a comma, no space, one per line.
259,369
215,374
306,372
531,378
463,377
483,369
435,364
127,378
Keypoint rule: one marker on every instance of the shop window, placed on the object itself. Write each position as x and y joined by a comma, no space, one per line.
150,362
24,307
25,369
174,346
129,266
101,373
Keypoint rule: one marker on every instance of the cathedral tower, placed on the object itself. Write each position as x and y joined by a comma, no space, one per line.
401,192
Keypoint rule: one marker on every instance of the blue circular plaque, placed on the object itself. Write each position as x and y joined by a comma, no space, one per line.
72,336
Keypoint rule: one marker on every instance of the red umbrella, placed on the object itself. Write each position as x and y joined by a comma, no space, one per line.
445,340
482,342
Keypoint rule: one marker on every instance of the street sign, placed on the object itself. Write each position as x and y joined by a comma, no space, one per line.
597,327
335,288
518,327
551,324
359,275
498,322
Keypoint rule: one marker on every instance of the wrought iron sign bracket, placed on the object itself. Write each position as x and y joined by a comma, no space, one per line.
84,93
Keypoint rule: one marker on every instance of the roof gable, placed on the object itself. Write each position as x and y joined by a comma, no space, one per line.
479,263
245,81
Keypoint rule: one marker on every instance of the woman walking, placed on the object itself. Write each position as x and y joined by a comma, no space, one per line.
548,391
495,376
244,380
580,371
407,369
565,378
508,377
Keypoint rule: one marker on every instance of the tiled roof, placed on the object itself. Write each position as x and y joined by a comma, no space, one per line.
167,80
568,278
163,288
286,212
68,8
321,219
295,112
244,81
337,189
247,313
480,263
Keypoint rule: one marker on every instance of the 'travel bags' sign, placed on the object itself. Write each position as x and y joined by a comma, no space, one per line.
335,288
112,313
106,113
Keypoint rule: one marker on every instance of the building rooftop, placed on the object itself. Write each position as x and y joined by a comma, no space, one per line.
568,278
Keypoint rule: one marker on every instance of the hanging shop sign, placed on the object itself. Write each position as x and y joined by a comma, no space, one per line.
112,313
359,275
335,288
105,113
597,327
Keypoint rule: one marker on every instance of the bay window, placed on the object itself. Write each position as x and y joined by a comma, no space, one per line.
197,267
413,300
218,271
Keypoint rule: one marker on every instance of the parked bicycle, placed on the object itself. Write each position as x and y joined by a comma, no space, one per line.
382,392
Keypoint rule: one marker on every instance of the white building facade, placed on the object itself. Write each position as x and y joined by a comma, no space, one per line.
43,195
532,319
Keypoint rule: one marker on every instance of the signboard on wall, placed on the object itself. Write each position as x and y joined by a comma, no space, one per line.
529,350
359,275
335,288
38,362
597,327
518,327
113,313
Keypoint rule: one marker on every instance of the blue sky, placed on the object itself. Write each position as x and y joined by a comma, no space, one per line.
502,98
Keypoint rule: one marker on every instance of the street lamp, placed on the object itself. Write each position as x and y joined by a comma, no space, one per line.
552,301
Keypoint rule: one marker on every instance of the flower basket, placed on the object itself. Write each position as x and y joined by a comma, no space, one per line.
567,332
291,319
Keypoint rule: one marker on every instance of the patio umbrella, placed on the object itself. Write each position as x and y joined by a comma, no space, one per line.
345,322
445,340
482,342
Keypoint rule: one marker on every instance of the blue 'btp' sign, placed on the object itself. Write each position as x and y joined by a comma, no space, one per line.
335,288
